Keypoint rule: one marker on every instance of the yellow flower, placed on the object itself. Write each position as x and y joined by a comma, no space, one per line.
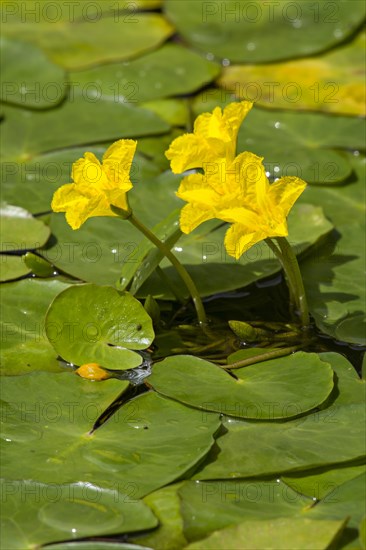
232,189
213,139
97,186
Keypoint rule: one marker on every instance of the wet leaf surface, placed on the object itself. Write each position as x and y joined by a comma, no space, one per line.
300,383
88,323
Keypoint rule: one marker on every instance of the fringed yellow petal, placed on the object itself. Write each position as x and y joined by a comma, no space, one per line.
188,151
117,162
192,216
193,188
233,116
238,240
285,192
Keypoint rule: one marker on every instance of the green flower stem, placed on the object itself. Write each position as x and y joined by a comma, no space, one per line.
289,281
265,356
288,260
201,314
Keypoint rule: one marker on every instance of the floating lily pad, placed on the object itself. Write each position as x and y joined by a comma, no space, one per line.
20,231
323,484
350,501
25,347
75,122
12,267
209,506
38,266
50,512
319,83
171,70
28,78
246,31
295,144
149,434
77,40
275,534
333,275
281,388
334,435
91,324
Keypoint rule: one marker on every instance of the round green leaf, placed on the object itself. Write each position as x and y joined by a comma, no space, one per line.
281,388
304,534
20,231
38,265
333,435
146,444
319,83
91,39
350,502
79,120
25,347
92,324
28,78
168,71
51,512
251,31
12,267
208,506
322,484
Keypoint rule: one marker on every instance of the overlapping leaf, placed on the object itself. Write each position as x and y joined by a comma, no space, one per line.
300,382
25,347
250,31
93,324
28,78
171,70
53,444
20,230
319,83
79,120
333,435
86,37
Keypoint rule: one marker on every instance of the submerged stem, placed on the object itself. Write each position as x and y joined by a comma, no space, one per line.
262,357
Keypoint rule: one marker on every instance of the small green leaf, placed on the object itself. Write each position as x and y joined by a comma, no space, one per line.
20,231
93,324
38,265
247,31
281,388
12,267
170,70
29,79
25,347
275,534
